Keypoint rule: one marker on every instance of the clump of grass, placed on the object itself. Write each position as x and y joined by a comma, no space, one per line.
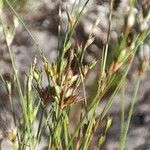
54,103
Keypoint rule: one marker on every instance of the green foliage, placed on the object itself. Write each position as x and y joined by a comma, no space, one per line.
53,104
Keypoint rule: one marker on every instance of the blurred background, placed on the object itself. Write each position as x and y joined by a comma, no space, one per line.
41,17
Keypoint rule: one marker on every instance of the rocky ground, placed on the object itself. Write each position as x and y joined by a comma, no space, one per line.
41,18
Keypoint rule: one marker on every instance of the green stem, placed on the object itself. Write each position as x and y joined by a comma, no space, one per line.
108,34
22,100
122,144
122,111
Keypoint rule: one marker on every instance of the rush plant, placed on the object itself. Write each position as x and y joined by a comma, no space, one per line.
49,107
